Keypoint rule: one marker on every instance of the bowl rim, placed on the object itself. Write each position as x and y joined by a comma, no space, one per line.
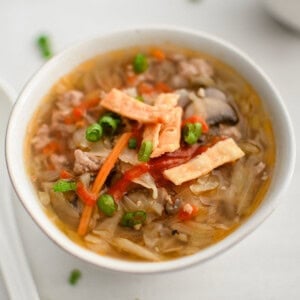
154,267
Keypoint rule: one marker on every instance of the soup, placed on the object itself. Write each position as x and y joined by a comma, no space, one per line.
150,153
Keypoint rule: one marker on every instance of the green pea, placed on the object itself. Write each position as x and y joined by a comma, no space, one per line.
140,63
130,219
107,204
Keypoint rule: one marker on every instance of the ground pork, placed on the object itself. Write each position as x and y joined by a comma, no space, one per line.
42,137
195,67
86,162
69,99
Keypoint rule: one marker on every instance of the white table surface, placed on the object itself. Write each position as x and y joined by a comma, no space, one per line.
266,265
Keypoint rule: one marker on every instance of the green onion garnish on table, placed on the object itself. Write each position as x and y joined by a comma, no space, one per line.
44,45
74,276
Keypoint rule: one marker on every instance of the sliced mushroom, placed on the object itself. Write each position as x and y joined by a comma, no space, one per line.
231,131
215,93
219,111
184,99
196,107
214,110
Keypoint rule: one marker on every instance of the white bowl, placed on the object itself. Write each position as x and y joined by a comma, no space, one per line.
63,63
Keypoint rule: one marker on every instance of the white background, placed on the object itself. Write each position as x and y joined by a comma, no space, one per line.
266,265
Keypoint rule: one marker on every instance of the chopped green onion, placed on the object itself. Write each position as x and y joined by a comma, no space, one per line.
43,43
107,204
94,132
130,219
192,132
145,151
64,186
140,98
110,123
74,276
132,143
140,63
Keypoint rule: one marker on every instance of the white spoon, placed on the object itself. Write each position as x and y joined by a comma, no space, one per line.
13,263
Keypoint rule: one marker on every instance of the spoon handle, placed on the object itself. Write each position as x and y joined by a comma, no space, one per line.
14,267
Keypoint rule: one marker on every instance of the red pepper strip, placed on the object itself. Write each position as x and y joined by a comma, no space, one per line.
196,119
185,216
137,133
86,196
155,167
120,187
183,151
170,160
64,174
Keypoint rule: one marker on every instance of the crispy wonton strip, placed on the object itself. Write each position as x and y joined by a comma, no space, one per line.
169,137
219,154
167,99
120,103
152,131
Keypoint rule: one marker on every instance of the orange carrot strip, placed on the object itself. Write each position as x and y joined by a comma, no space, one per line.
68,120
110,162
78,113
100,179
145,88
131,80
81,123
85,220
90,103
162,87
91,99
158,54
51,148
